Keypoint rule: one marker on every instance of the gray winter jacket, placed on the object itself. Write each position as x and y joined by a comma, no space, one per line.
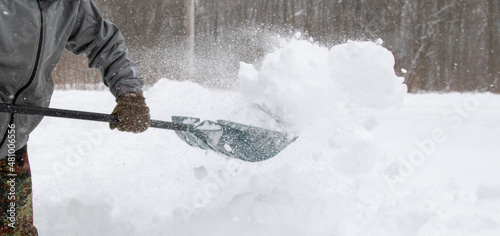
33,35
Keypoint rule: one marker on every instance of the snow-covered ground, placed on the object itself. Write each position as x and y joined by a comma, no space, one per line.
369,160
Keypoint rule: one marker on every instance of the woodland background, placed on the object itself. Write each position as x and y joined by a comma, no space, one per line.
451,45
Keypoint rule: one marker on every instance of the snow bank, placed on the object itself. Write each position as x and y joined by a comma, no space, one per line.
331,181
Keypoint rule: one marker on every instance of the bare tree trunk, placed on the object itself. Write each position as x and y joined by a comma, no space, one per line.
493,44
190,37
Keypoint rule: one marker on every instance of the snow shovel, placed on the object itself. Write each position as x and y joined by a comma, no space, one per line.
235,140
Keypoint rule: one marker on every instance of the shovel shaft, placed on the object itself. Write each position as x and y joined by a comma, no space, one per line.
82,115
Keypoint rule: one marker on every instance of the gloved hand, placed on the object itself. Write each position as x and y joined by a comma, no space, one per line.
132,112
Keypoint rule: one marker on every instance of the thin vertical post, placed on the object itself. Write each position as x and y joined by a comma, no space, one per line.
190,16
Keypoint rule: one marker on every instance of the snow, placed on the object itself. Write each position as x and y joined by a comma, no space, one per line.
370,159
301,80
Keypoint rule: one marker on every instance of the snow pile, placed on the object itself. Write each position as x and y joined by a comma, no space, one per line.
302,80
331,181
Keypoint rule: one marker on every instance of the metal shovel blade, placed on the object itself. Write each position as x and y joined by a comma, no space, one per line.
235,140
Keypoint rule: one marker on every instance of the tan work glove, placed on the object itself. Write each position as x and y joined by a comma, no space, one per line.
132,112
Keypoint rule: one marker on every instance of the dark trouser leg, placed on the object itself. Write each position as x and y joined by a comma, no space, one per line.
16,204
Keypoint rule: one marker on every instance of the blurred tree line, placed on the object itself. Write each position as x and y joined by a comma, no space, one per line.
438,45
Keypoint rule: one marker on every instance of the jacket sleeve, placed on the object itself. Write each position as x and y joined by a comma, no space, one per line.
105,48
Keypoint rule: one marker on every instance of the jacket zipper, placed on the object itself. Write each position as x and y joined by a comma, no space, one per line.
32,76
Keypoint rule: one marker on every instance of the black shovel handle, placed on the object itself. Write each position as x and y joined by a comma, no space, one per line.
82,115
